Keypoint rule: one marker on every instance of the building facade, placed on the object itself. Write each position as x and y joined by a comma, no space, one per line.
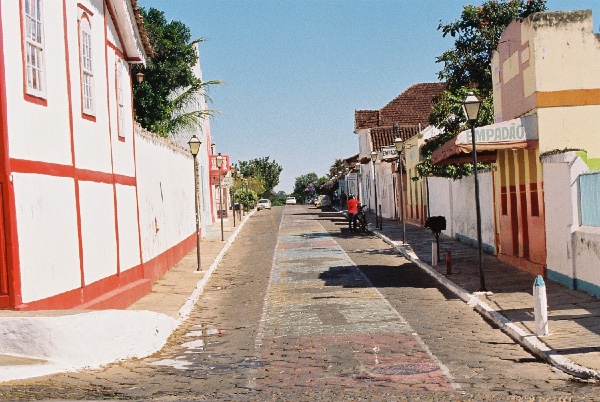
89,218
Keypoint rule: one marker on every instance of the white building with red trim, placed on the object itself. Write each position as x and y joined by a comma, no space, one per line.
93,209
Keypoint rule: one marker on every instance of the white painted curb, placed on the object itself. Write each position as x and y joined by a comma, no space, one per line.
527,340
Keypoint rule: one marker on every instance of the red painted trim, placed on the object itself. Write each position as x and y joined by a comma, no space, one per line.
115,48
38,100
72,139
133,144
34,99
54,169
88,117
157,266
134,59
112,158
111,13
8,207
119,290
85,9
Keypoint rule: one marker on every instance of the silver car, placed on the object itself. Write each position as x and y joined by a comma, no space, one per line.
263,204
325,202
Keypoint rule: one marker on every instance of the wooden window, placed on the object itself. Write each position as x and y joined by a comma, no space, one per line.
86,62
34,48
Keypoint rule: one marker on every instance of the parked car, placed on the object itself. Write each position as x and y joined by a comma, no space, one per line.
290,200
318,201
325,202
263,204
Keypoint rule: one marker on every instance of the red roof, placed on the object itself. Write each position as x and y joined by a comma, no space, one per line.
407,112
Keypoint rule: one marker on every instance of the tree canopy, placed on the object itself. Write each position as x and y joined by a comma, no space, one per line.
467,68
477,34
264,171
164,102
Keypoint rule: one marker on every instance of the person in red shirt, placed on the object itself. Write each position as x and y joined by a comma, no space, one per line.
353,204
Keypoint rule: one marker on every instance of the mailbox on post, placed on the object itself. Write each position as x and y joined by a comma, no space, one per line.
436,224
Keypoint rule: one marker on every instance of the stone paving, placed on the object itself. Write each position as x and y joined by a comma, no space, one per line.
574,317
325,325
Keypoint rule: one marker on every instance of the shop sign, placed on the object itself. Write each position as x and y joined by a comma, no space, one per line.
516,130
389,153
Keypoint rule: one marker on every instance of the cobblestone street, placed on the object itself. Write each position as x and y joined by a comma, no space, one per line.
300,309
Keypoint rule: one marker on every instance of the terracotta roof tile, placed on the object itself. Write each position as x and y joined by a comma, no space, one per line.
142,29
384,136
413,106
365,119
408,111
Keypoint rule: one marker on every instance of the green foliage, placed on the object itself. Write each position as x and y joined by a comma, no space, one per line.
278,199
162,102
303,188
467,67
338,167
264,172
245,197
476,34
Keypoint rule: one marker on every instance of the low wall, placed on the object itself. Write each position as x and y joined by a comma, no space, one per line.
455,199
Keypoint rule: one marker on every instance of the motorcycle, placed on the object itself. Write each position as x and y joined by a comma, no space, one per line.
361,219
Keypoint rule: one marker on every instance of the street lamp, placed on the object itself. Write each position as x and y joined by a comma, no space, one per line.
471,106
194,144
247,197
219,161
373,159
231,191
399,144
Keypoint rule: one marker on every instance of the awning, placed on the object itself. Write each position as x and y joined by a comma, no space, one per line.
519,133
452,153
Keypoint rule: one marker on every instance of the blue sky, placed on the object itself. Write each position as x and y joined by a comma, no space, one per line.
294,71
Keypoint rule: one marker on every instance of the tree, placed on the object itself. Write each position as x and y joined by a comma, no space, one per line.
263,171
162,101
477,34
467,67
338,167
302,183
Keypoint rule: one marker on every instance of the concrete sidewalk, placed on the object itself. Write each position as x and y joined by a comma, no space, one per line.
573,344
44,342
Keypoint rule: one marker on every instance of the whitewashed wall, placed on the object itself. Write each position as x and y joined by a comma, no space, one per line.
455,199
203,133
385,189
165,177
44,131
48,239
573,251
440,199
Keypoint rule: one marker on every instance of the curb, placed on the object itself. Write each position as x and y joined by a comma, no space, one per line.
186,309
529,341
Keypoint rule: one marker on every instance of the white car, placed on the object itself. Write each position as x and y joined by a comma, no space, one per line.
263,204
290,200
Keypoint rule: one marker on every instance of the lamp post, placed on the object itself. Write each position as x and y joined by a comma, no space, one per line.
373,159
194,144
231,191
219,162
471,106
247,199
399,144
